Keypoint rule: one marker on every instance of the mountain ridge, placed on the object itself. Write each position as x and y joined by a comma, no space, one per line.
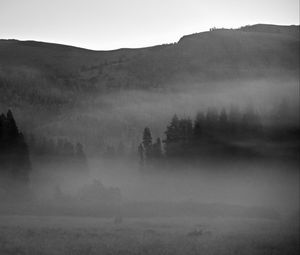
260,27
220,54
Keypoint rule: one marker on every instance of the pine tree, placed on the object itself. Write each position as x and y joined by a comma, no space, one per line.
12,126
173,137
172,133
14,154
147,142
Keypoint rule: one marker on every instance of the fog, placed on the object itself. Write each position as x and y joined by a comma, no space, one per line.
264,185
249,184
238,182
271,183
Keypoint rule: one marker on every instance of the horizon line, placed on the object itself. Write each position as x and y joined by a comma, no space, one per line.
142,47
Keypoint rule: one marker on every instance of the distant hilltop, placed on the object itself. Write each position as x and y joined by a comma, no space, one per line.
292,30
47,74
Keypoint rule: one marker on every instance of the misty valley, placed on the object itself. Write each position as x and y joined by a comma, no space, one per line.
183,148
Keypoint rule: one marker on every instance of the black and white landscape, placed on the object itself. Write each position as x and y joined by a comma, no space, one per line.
190,147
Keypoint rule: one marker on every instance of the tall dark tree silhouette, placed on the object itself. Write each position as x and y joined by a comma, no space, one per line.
14,155
172,133
185,130
172,137
13,131
147,142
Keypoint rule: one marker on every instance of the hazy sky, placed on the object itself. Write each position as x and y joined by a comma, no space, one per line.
110,24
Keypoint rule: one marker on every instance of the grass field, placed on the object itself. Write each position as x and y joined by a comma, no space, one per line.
83,235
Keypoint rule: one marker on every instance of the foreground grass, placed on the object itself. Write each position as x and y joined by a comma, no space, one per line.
84,236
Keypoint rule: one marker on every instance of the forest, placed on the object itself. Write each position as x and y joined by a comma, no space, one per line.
17,151
216,135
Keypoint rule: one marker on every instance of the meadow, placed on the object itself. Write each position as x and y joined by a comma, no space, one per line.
32,235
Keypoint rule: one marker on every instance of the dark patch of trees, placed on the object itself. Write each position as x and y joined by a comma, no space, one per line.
228,134
14,155
212,133
149,152
58,150
55,147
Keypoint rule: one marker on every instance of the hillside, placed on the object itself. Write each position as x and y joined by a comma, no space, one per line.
218,54
50,80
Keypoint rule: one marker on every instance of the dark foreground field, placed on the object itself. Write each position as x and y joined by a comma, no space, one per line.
83,235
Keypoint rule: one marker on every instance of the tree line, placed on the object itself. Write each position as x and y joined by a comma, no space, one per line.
212,133
61,152
44,146
15,151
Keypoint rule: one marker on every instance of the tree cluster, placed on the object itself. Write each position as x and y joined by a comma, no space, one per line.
14,155
59,150
43,146
149,151
210,133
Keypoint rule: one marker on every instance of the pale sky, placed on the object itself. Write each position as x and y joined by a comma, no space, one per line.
111,24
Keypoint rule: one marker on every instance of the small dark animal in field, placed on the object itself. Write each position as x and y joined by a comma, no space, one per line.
118,219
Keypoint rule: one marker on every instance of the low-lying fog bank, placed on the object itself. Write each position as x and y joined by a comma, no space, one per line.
119,187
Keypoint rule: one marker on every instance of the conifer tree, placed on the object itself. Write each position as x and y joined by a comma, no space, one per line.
172,137
172,133
147,142
14,154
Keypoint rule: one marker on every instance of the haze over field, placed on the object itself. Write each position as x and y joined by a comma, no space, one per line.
173,139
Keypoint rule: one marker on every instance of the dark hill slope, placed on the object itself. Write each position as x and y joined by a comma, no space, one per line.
220,54
44,77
